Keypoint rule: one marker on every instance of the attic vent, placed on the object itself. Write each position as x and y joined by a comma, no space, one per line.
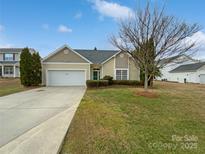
121,55
66,51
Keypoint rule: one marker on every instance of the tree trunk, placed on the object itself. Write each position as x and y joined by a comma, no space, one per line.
145,80
150,81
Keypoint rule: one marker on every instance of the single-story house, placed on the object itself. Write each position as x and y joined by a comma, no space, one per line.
178,61
70,67
193,73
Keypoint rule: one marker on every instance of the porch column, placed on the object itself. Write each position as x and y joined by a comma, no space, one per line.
14,67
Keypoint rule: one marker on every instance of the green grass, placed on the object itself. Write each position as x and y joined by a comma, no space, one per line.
10,86
120,120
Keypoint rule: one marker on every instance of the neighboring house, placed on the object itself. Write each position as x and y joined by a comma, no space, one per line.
193,73
66,66
178,61
9,61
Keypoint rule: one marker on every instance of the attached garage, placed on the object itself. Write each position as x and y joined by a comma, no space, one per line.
66,74
66,78
65,67
202,78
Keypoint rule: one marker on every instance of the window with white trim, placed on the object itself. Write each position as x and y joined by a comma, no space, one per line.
8,70
8,56
121,74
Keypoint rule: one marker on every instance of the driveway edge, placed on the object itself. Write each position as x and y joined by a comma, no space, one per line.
45,138
62,141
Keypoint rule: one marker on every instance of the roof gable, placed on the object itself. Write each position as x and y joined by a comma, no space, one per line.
60,49
65,55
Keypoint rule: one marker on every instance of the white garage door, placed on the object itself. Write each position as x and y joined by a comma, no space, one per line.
202,78
66,78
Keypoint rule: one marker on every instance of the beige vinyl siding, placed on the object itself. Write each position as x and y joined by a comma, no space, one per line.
108,68
71,57
46,67
134,72
121,62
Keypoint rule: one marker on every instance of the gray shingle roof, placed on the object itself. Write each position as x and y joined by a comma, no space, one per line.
14,50
188,67
96,56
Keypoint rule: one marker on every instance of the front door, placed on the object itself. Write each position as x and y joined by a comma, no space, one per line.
96,74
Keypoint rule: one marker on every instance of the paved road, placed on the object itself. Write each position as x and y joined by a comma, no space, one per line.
22,111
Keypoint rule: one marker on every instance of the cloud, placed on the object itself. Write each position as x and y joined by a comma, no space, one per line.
45,26
199,37
111,9
199,40
64,29
78,15
1,28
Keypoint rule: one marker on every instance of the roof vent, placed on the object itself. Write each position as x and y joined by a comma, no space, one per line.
66,51
95,48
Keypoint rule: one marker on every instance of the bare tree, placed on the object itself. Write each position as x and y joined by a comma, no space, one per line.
167,35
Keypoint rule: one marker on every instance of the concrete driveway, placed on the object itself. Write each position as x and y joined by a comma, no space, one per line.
23,111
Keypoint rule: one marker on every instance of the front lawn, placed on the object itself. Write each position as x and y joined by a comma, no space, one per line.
9,86
127,120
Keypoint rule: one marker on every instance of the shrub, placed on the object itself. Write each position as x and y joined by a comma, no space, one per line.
26,67
96,83
30,68
127,82
109,78
36,69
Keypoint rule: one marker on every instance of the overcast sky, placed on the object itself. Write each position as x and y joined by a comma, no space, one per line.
48,24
